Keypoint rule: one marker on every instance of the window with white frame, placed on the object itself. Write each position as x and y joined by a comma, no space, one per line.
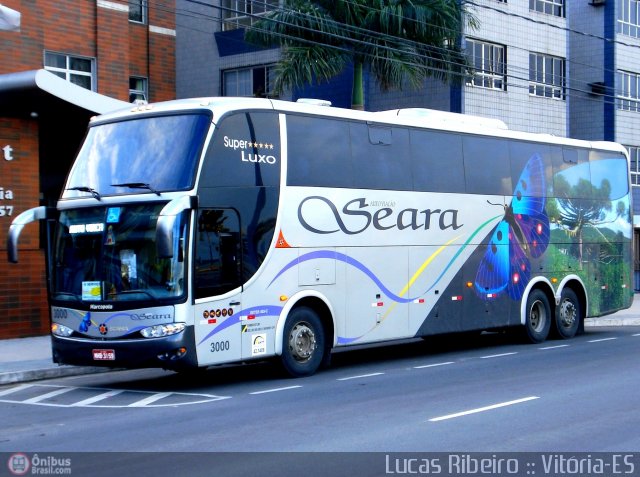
629,17
75,69
138,90
138,11
256,82
550,7
243,13
489,64
546,76
628,94
634,164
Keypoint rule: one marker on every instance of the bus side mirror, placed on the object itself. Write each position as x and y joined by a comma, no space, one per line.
166,223
26,217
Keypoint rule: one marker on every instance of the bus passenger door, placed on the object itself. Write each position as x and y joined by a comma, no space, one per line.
217,286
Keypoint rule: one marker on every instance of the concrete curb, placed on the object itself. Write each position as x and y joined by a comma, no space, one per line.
11,377
593,322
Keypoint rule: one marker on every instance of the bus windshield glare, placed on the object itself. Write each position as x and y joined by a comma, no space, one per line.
142,155
109,254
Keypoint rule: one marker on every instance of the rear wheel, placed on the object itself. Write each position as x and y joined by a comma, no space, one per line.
303,348
538,317
568,314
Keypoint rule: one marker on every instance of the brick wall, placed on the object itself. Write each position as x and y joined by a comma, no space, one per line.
113,51
98,29
23,307
162,51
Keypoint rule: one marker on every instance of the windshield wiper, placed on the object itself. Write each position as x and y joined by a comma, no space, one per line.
137,185
93,192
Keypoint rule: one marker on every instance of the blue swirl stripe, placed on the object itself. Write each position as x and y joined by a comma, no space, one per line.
346,259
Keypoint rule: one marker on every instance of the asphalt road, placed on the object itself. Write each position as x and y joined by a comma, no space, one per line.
491,395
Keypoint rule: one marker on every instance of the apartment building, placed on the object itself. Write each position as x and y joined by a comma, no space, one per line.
67,61
567,68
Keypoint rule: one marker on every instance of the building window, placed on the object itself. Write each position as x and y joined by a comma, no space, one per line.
634,164
138,11
629,17
546,76
256,82
489,64
550,7
628,96
75,69
138,90
242,13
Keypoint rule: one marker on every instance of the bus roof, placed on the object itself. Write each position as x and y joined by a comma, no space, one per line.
412,117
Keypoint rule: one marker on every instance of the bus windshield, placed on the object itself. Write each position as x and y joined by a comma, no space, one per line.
142,155
108,254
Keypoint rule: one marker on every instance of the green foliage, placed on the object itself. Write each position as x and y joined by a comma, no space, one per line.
401,41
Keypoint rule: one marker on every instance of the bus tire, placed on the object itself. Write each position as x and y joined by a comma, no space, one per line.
303,346
538,317
568,315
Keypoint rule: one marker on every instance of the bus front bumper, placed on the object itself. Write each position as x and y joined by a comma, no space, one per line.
170,352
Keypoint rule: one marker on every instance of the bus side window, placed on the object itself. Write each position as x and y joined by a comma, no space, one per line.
436,161
487,166
572,175
318,152
217,255
520,153
380,155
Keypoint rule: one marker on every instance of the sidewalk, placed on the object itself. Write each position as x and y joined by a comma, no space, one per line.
29,359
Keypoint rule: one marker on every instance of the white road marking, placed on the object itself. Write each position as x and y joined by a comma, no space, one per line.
498,355
102,397
482,409
275,390
99,397
359,376
149,399
48,395
601,339
555,347
433,365
15,390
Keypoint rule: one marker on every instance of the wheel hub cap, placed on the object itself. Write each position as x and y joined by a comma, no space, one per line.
302,342
567,314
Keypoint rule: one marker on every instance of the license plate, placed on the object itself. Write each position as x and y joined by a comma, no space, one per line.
104,355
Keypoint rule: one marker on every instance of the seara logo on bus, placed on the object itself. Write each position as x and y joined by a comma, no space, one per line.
380,218
256,156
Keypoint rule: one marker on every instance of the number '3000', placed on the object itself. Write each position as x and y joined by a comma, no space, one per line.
220,346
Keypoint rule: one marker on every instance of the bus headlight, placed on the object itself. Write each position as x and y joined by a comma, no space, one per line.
158,331
61,330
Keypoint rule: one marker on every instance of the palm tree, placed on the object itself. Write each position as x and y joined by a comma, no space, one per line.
400,41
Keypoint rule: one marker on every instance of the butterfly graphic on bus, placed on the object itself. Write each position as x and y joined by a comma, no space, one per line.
522,234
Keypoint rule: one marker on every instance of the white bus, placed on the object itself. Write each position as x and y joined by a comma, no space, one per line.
198,232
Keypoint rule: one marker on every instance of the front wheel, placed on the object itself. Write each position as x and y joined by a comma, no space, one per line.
568,315
304,342
538,317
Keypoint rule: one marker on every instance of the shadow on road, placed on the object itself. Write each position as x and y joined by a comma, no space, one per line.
270,370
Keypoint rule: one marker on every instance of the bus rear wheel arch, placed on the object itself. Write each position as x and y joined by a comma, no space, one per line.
304,342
